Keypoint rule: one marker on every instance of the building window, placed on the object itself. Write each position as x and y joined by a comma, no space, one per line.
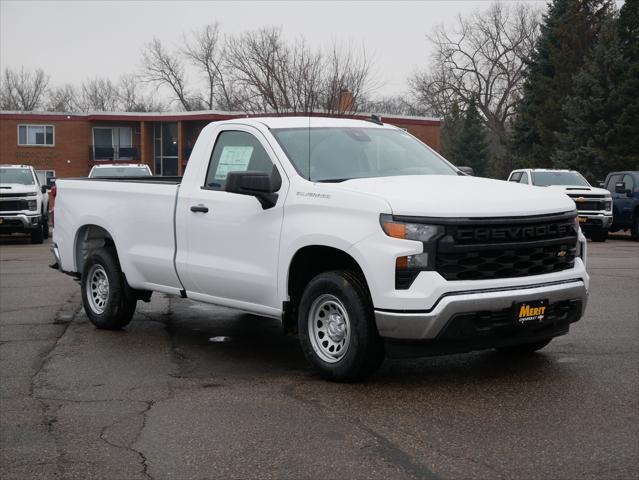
113,143
30,135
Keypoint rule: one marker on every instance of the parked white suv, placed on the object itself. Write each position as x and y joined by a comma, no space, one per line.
356,235
593,204
23,203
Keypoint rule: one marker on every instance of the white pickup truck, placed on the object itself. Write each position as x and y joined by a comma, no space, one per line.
24,203
359,237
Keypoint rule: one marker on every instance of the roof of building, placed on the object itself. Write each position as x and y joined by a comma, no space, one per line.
203,115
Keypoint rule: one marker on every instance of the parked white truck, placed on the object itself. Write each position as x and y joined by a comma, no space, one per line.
24,203
356,235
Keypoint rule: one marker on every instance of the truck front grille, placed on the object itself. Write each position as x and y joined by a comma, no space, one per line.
588,203
13,205
481,249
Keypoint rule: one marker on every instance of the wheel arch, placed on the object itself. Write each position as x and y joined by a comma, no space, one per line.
88,238
306,263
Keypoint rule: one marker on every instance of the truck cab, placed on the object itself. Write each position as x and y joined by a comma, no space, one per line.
23,203
624,188
593,204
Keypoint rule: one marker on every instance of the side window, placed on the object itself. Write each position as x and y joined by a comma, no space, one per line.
515,177
629,183
524,178
611,182
235,151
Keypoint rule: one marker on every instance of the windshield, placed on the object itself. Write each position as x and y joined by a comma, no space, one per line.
21,176
544,179
344,153
120,172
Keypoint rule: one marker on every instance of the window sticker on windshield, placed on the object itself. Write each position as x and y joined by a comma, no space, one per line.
233,159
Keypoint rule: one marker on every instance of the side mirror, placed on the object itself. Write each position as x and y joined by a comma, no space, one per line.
467,170
256,184
601,184
620,187
44,188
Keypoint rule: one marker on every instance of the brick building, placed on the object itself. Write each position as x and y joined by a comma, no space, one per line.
68,145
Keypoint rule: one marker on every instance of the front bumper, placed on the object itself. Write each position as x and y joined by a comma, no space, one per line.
16,223
592,221
429,324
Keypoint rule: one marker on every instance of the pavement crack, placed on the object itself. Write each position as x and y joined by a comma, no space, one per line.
386,448
144,463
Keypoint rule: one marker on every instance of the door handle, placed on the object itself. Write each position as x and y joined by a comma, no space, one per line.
199,208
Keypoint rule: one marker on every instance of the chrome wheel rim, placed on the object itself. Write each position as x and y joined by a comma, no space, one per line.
97,288
329,328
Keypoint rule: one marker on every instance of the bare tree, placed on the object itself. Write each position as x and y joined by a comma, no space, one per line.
206,49
483,57
163,68
23,89
132,99
275,76
346,72
63,99
98,94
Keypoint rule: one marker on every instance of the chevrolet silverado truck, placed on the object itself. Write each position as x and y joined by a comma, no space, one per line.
593,204
356,235
23,203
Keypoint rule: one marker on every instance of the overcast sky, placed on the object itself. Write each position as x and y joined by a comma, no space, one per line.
73,40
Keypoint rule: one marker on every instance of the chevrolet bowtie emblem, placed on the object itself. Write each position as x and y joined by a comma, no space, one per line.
562,253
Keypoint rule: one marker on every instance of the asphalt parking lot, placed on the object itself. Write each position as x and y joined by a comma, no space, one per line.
167,399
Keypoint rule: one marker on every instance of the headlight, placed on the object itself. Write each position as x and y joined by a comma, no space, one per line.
608,204
32,205
420,232
408,267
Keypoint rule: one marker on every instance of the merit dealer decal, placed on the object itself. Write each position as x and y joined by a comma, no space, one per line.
532,311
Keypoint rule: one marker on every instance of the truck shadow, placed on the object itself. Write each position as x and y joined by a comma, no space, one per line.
211,342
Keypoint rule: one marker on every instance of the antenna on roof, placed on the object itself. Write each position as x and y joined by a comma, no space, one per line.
376,119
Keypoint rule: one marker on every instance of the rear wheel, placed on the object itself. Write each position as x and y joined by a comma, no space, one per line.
524,348
45,228
337,328
108,300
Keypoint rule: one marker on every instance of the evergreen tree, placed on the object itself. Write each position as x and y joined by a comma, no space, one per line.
451,129
472,147
592,111
568,32
627,124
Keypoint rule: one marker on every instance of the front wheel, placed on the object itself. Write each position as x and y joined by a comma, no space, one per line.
634,230
599,235
45,228
37,235
337,328
108,300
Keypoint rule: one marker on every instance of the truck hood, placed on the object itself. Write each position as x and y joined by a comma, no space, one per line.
461,196
573,190
8,188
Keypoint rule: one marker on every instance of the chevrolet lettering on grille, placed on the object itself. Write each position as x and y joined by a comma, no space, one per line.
514,232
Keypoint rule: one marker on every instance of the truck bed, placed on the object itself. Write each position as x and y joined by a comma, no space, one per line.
138,213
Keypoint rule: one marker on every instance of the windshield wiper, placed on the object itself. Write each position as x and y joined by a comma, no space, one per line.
332,180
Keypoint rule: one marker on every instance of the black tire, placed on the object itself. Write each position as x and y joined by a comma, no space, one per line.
45,228
364,349
119,301
599,235
634,230
37,235
524,348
